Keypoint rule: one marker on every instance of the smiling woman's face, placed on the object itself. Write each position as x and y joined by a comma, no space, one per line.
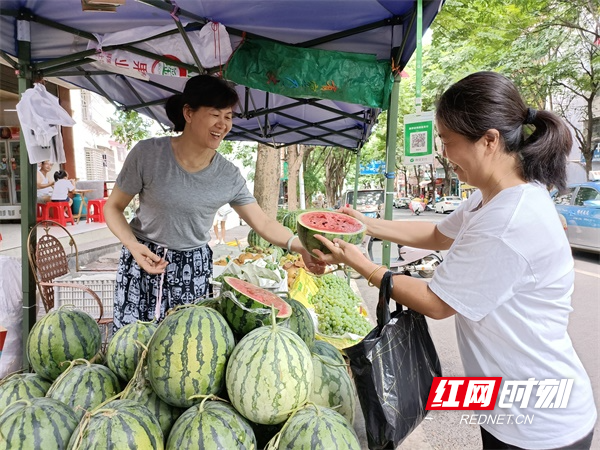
208,125
464,155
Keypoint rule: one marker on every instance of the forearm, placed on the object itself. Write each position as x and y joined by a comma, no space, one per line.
116,222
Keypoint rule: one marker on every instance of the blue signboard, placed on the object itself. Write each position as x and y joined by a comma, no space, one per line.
373,168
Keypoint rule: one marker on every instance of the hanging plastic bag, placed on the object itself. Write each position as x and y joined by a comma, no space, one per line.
393,369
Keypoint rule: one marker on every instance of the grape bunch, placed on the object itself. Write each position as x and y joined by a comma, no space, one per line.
337,308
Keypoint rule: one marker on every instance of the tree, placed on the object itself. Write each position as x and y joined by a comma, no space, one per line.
293,155
266,181
130,127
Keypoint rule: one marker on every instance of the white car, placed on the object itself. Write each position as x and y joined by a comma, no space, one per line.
447,204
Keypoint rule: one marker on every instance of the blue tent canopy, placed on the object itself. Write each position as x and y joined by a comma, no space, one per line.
61,32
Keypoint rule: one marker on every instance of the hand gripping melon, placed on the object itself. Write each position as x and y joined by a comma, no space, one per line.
251,307
330,225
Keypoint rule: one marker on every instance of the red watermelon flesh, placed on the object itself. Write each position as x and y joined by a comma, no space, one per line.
257,297
331,225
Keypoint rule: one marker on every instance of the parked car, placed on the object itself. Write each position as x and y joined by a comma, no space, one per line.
368,201
447,204
579,209
401,202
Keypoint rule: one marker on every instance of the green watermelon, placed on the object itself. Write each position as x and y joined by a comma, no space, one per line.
333,387
290,220
188,353
21,386
331,225
84,386
269,374
120,424
211,425
250,305
140,390
318,428
324,348
300,322
59,336
123,352
254,240
37,423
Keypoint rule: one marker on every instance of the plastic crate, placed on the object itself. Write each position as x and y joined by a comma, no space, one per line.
102,283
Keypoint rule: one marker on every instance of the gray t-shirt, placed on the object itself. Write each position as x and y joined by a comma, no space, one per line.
177,207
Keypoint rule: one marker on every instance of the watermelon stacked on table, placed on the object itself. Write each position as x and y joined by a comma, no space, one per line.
189,382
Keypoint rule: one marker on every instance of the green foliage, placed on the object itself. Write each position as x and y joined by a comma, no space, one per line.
130,127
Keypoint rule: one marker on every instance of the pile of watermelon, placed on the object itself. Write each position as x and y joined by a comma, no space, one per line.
243,371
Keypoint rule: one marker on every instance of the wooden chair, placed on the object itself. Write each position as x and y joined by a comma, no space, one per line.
48,260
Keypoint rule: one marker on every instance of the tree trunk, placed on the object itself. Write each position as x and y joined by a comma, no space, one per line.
337,164
294,156
267,179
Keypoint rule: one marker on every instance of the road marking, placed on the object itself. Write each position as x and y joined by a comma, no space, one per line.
591,274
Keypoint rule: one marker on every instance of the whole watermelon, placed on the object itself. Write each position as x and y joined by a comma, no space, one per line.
120,424
21,386
255,240
331,225
211,425
301,322
269,374
290,220
188,353
38,423
59,336
333,387
123,352
140,390
84,386
324,348
318,428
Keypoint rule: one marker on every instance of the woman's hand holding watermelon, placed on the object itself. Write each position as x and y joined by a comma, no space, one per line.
342,253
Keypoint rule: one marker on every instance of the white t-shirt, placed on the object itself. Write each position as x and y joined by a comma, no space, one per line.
62,189
44,191
509,276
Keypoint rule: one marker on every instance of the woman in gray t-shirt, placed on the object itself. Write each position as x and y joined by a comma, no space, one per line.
182,181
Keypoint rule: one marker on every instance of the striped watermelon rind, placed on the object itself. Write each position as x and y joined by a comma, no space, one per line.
211,424
242,320
324,348
118,424
84,386
300,322
329,224
188,353
318,428
333,387
37,423
269,374
59,336
255,240
123,352
21,386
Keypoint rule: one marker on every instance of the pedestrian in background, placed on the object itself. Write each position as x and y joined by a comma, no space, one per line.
220,222
512,309
44,185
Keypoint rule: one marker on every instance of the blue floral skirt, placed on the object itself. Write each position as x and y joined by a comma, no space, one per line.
185,280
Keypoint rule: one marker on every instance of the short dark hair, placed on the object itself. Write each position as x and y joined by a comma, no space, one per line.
201,90
488,100
60,174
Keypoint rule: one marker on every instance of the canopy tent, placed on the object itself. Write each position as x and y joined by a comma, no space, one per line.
60,34
42,38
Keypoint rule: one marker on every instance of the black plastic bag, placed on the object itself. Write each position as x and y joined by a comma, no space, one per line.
393,369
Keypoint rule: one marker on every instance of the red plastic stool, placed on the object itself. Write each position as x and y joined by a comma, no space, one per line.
42,212
95,210
56,211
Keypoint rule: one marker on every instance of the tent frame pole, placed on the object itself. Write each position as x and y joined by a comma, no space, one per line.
28,192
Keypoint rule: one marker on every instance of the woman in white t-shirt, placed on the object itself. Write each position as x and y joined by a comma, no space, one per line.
62,187
508,275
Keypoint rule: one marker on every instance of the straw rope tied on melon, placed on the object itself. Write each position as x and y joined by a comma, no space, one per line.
331,225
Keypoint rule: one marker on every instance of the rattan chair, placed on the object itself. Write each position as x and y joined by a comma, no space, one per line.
48,260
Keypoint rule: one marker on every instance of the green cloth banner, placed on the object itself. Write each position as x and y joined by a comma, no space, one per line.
357,78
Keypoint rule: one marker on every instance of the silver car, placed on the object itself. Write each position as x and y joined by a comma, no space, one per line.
447,204
579,210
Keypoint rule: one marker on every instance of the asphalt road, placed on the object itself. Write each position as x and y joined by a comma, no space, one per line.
443,430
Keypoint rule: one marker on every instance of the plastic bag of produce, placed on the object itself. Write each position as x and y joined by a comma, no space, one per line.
304,288
393,368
